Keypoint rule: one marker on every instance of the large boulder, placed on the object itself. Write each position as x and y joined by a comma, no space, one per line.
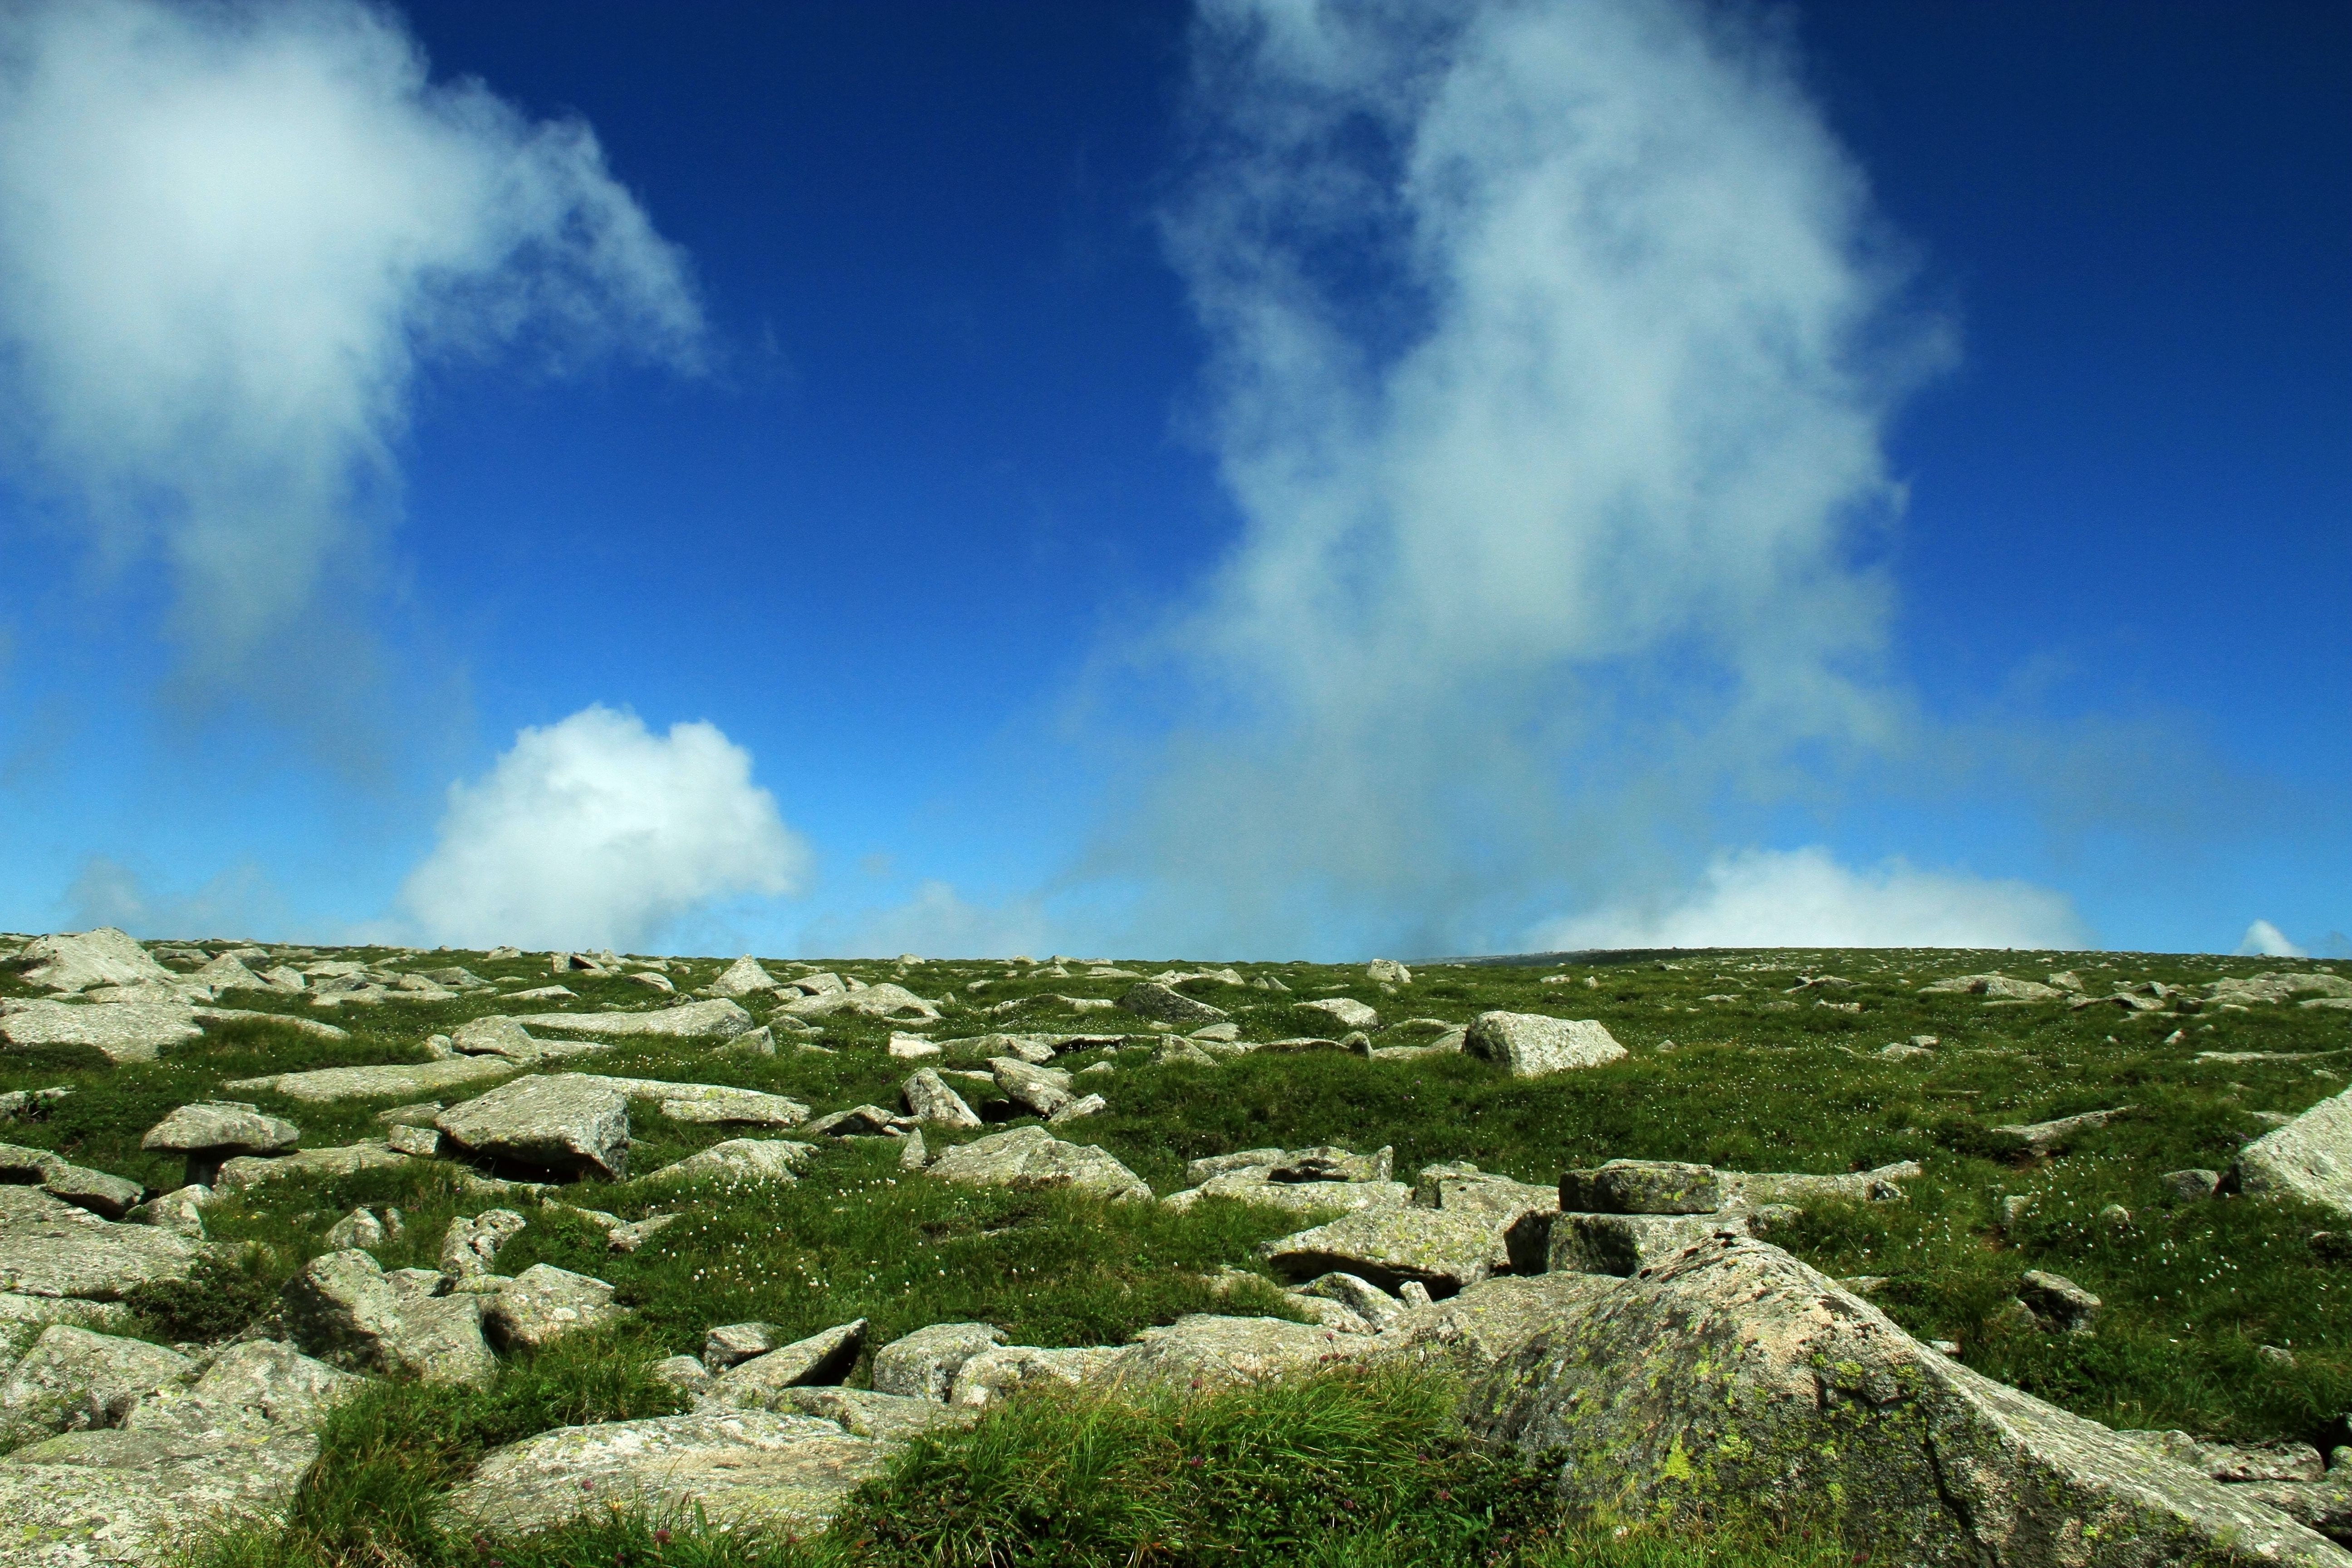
212,1131
1346,1012
545,1302
884,1001
1150,999
566,1124
1491,1320
72,962
822,1358
1642,1186
744,978
2310,1158
344,1159
1444,1250
1733,1370
930,1100
740,1469
72,1379
50,1248
121,1032
999,1370
1041,1091
923,1364
1532,1044
22,1319
342,1308
1255,1186
1033,1157
1621,1244
1204,1350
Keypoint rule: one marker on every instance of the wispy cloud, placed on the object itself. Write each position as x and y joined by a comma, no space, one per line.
1804,898
594,832
1553,344
228,234
2263,940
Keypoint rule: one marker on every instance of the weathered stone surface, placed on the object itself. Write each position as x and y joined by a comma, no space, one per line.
1996,988
2058,1303
930,1099
350,1159
923,1364
72,1379
739,1161
327,1084
221,1127
2191,1185
884,1001
2232,1461
861,1121
472,1243
423,1142
1642,1186
1531,1044
123,1032
998,1370
729,1344
50,1248
180,1210
75,961
1254,1186
822,1358
1737,1371
1760,1187
2310,1158
108,1196
717,1019
707,1104
496,1037
1445,1251
1623,1243
890,1418
740,1467
1375,1306
363,1228
1387,971
1078,1109
22,1319
565,1122
1208,1352
2040,1139
1033,1157
342,1309
744,978
1349,1013
546,1302
635,1234
1041,1089
1491,1320
1150,999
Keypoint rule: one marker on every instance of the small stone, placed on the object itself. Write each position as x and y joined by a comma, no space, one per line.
2056,1302
2274,1354
471,1246
1346,1012
2191,1185
912,1047
1389,972
1087,1105
545,1302
1413,1293
422,1141
684,1374
739,1160
913,1155
629,1236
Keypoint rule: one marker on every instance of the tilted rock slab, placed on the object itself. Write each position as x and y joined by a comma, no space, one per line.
1207,1352
344,1309
565,1122
1734,1369
719,1019
739,1161
1150,999
545,1303
414,1079
70,962
1532,1044
740,1467
1443,1249
1033,1157
884,1001
50,1248
2310,1158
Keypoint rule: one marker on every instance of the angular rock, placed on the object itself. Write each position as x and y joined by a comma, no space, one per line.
323,1085
730,1343
884,1001
1201,1170
1445,1251
1349,1013
2058,1303
1043,1091
1150,999
342,1308
22,1319
708,1104
2310,1158
108,1198
911,1048
930,1099
72,962
1360,1296
471,1245
1252,1185
424,1142
998,1370
1078,1110
1491,1320
121,1032
2040,1139
1033,1157
1877,1186
1532,1044
546,1302
2233,1462
1738,1372
350,1160
822,1358
564,1124
888,1417
1623,1244
717,1020
212,1131
744,978
364,1229
862,1121
923,1364
2191,1185
1389,972
630,1236
740,1469
1998,987
739,1161
1206,1352
73,1379
1642,1186
50,1248
180,1210
496,1037
684,1374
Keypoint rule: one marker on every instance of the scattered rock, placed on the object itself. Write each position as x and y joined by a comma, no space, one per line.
50,1248
180,1210
121,1032
744,978
1997,988
928,1099
1624,1243
422,1141
1349,1013
545,1302
2057,1303
322,1085
70,962
342,1308
629,1236
1360,1296
364,1229
729,1343
1206,1352
1389,972
213,1131
884,1001
73,1379
1761,1187
1490,1319
1643,1186
471,1246
1039,1090
1445,1251
564,1124
738,1162
1150,999
2040,1139
1033,1157
923,1364
717,1020
22,1319
350,1160
2310,1158
1531,1044
992,1374
822,1358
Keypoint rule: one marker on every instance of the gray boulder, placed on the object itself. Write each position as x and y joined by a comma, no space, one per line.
50,1248
1445,1251
210,1131
1736,1371
738,1162
72,962
889,1418
72,1379
349,1160
1255,1186
2057,1303
470,1246
22,1319
1039,1090
1532,1044
729,1344
923,1364
1623,1244
717,1019
366,1230
862,1121
1349,1013
2232,1461
930,1099
180,1210
564,1124
739,1469
1642,1186
1878,1186
884,1001
822,1358
998,1370
108,1196
546,1302
342,1309
1360,1296
1033,1157
744,978
1208,1352
1150,999
326,1085
1490,1321
2310,1158
121,1031
2040,1139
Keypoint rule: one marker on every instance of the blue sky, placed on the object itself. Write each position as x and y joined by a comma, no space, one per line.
1252,480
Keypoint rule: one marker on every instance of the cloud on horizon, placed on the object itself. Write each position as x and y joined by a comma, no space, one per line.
229,234
1553,347
1803,898
596,833
2263,940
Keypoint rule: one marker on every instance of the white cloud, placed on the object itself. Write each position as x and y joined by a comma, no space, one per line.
2263,940
596,833
1803,898
228,233
1553,344
240,903
937,923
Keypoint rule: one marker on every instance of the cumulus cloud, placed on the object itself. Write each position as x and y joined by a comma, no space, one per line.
230,232
2263,940
596,833
1804,898
1553,342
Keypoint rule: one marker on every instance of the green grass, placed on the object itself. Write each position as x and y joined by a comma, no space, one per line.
1764,1080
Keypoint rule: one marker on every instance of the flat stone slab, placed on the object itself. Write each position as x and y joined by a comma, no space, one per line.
1444,1250
709,1104
124,1031
1033,1157
740,1467
1206,1350
410,1079
566,1122
50,1248
719,1019
69,961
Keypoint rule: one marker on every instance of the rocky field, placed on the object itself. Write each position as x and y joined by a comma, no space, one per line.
375,1255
